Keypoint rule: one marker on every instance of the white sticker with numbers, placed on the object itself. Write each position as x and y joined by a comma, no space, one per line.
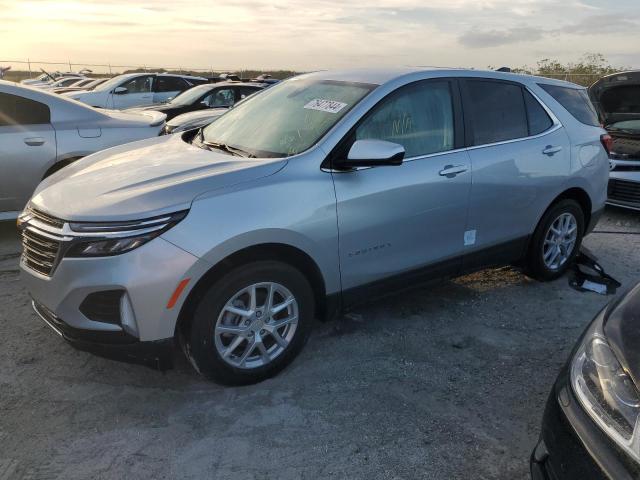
469,237
330,106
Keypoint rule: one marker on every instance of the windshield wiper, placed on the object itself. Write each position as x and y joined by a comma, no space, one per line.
227,148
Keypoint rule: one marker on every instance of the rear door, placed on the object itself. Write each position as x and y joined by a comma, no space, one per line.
27,148
167,87
410,218
139,93
520,158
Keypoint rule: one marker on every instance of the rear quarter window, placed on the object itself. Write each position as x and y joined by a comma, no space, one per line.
576,101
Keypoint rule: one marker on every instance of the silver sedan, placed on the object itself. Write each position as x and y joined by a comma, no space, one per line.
42,132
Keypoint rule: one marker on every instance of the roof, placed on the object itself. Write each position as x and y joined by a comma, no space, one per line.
380,76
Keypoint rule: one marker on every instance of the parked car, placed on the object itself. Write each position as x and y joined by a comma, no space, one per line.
591,423
46,77
216,95
136,89
617,98
191,120
89,85
321,191
62,82
41,132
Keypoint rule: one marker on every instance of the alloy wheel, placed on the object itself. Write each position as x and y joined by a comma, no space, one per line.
559,241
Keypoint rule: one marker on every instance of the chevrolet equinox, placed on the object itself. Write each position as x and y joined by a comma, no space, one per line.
324,190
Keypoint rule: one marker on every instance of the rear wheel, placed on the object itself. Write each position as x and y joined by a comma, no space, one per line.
251,323
556,241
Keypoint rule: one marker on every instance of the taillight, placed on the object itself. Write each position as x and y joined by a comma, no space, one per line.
607,142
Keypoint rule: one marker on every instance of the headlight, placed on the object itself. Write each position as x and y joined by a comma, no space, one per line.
605,390
114,238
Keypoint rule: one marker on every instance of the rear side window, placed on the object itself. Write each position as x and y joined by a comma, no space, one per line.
15,110
170,84
575,101
419,117
539,120
496,110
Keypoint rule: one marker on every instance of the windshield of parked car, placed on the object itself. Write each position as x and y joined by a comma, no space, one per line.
285,119
189,96
112,83
627,125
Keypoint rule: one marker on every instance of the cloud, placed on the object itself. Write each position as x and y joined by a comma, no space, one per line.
602,24
497,38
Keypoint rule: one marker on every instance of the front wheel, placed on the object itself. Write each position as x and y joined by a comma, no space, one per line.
556,241
251,323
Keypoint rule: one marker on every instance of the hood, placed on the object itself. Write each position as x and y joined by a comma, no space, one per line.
622,329
617,97
150,118
158,107
143,179
201,116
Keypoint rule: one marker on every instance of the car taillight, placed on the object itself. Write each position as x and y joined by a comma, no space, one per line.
607,142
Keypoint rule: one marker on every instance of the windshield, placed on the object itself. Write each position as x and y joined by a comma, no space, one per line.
629,125
191,95
112,83
287,118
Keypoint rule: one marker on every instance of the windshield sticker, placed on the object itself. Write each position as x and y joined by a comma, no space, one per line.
323,105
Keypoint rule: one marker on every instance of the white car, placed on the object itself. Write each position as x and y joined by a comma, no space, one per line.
136,89
191,120
41,132
62,82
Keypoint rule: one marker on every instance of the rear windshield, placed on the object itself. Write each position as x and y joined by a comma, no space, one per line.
576,101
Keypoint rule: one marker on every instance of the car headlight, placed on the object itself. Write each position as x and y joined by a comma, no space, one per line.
113,238
605,389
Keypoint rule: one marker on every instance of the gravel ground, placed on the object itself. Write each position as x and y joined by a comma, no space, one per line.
441,382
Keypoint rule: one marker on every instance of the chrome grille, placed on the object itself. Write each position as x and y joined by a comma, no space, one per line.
45,218
624,191
39,252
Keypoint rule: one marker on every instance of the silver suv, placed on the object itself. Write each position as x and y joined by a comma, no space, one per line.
327,189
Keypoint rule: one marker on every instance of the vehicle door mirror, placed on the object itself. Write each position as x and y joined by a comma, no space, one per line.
374,153
120,90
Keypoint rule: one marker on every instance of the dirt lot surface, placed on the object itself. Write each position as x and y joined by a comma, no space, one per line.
441,382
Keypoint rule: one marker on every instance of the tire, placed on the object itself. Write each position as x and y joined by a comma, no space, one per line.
214,329
536,266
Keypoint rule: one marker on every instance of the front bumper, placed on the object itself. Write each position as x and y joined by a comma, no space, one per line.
624,189
572,446
147,278
113,345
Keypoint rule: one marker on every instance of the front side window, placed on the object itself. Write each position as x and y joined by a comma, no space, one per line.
419,117
286,119
576,101
138,84
496,111
15,110
223,97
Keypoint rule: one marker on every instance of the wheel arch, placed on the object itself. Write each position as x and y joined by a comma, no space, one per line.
578,194
272,251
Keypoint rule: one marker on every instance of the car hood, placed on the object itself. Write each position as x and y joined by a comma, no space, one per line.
158,107
197,116
151,118
143,179
622,329
612,91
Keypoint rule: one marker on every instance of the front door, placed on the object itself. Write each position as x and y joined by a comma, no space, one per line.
410,218
139,92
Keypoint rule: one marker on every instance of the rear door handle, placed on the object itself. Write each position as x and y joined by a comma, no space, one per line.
451,171
34,141
551,150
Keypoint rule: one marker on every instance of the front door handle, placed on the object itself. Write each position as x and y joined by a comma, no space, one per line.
551,150
451,171
34,141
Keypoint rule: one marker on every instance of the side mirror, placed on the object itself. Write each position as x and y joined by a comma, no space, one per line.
374,153
120,90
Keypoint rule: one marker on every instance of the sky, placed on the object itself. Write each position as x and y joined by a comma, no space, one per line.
318,34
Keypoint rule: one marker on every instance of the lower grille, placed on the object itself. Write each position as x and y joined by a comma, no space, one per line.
39,252
624,191
103,306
